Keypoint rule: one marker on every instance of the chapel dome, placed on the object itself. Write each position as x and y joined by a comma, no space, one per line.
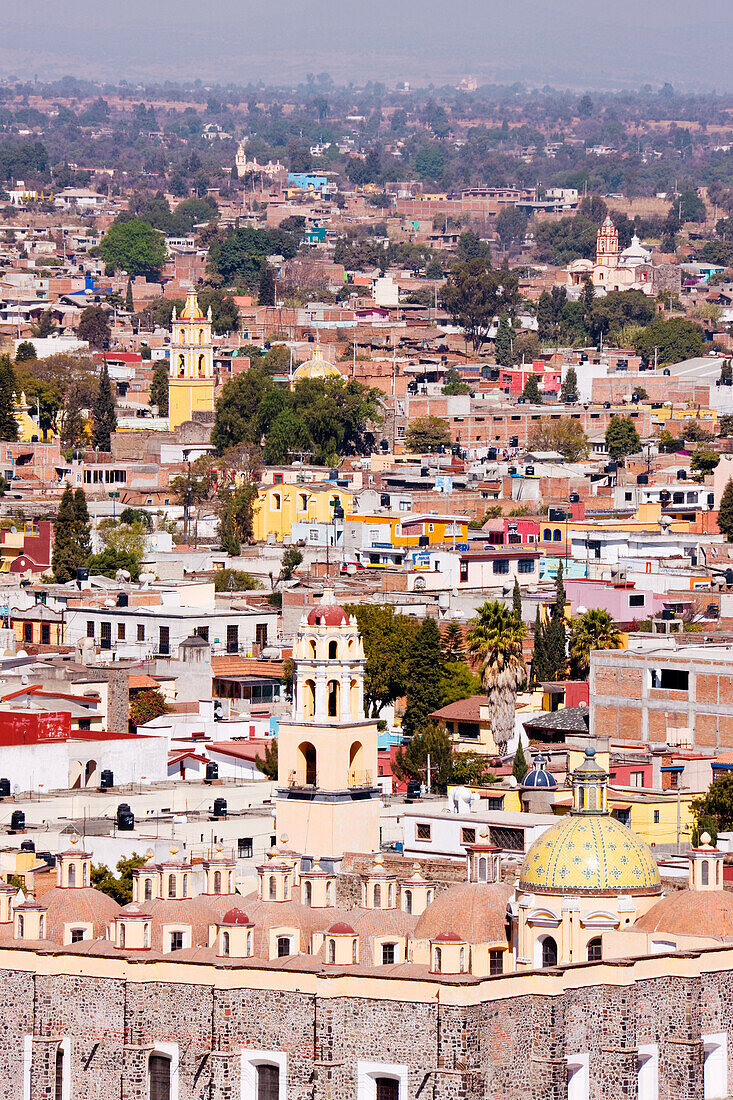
316,367
473,911
539,777
691,913
84,904
328,614
192,310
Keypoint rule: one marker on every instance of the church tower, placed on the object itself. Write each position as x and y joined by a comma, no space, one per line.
191,374
328,800
607,248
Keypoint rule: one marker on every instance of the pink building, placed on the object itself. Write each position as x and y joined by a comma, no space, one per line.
512,379
623,601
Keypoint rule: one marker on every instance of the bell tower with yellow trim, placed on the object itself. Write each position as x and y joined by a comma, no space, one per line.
191,374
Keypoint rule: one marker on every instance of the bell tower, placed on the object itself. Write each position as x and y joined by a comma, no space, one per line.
191,372
328,800
607,246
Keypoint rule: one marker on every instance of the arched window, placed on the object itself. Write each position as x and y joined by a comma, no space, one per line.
42,926
377,896
181,365
482,865
146,936
159,1077
312,644
171,886
202,366
225,943
85,874
71,880
595,950
286,889
462,960
549,952
333,698
217,882
148,889
332,951
390,895
21,926
547,534
276,502
704,872
273,888
231,882
557,535
329,893
201,336
307,770
308,894
408,901
122,935
185,886
717,872
437,960
333,648
354,954
249,943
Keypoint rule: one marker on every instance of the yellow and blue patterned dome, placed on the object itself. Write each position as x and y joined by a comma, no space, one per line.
317,367
588,851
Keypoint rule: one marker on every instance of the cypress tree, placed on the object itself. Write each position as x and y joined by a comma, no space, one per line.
83,526
423,678
517,601
129,302
725,512
539,657
520,767
159,388
68,552
105,418
8,423
266,293
503,343
554,635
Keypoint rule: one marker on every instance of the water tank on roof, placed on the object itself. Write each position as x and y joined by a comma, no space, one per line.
106,780
123,600
27,846
17,821
4,788
423,540
682,475
220,807
125,818
642,479
574,498
212,770
384,500
529,471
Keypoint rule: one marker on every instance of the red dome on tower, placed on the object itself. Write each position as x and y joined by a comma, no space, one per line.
329,614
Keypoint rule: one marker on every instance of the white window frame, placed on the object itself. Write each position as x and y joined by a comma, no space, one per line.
168,1050
578,1071
647,1068
366,1078
250,1059
715,1044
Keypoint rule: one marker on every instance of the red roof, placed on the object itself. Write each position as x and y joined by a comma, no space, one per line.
341,929
329,614
236,916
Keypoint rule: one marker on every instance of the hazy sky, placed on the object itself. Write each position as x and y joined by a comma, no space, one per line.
566,43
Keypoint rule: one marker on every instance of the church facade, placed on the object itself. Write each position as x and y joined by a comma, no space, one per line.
191,371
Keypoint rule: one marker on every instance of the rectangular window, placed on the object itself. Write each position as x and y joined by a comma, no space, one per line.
268,1082
468,836
386,1088
77,935
120,632
636,599
59,1075
496,963
202,632
656,817
164,640
45,634
501,566
636,779
283,946
90,628
388,954
261,634
232,639
141,632
27,632
525,565
176,941
422,831
671,679
495,803
464,571
244,847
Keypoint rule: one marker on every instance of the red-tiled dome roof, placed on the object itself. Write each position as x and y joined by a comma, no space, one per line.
235,916
474,911
340,928
691,913
329,614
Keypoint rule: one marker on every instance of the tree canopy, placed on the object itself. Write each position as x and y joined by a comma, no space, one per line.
133,246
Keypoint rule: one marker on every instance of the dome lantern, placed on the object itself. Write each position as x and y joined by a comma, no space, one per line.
590,786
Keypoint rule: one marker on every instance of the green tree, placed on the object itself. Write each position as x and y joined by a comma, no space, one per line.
495,641
235,505
517,601
237,409
128,538
423,678
674,340
267,764
94,327
8,387
291,559
564,435
717,803
704,460
109,562
554,634
82,522
701,825
453,384
503,343
511,226
103,412
118,887
622,437
520,767
147,705
135,247
471,297
725,511
387,639
266,292
594,629
691,208
468,769
45,326
159,388
569,388
411,761
427,434
236,580
129,301
287,436
531,391
71,541
726,372
26,352
539,657
453,643
457,682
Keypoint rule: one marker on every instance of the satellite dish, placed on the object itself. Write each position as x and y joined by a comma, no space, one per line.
13,530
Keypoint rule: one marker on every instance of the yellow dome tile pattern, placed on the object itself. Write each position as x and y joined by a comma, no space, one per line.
589,854
317,367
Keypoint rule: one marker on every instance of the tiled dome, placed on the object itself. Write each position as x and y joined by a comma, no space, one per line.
589,854
83,904
474,911
328,614
691,913
317,367
539,777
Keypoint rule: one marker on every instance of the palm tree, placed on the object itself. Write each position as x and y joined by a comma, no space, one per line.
592,630
495,641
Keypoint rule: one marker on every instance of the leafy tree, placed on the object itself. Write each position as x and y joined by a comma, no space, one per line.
675,340
237,409
520,767
267,764
704,824
147,705
266,292
71,538
511,226
427,434
82,522
45,326
26,352
691,207
291,559
495,641
471,297
422,689
569,388
411,762
94,327
235,580
564,435
554,637
471,770
453,643
457,682
137,515
472,247
388,639
119,887
725,512
133,246
8,387
594,629
704,460
572,238
716,803
127,538
103,412
531,391
453,384
108,562
287,435
159,388
622,437
503,344
726,372
239,257
236,515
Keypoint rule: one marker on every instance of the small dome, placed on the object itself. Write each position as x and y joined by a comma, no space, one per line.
328,615
539,776
192,310
340,928
691,913
474,911
235,916
317,367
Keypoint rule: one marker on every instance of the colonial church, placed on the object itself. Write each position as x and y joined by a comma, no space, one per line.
191,371
614,269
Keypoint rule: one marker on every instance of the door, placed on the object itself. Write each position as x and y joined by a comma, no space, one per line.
232,639
106,635
268,1083
164,640
159,1077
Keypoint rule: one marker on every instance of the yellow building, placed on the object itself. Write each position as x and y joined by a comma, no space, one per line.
407,530
278,507
327,750
191,371
28,428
